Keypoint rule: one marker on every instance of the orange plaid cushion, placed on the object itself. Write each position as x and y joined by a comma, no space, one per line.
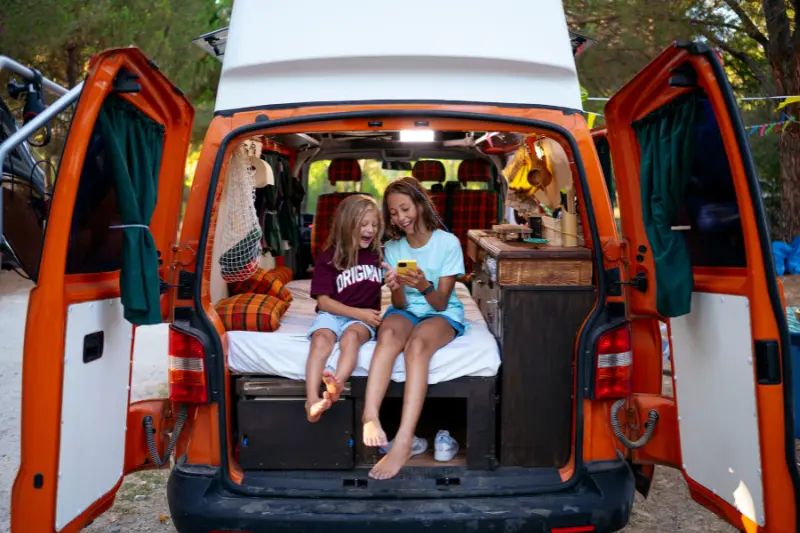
284,273
263,282
251,312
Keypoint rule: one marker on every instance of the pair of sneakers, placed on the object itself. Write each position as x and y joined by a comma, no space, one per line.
445,447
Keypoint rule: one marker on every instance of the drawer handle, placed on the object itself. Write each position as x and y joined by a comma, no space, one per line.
479,281
491,302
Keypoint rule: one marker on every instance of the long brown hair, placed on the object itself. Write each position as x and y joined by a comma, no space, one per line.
412,188
343,236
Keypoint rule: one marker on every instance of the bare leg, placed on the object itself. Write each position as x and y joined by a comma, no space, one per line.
322,342
426,338
351,341
392,337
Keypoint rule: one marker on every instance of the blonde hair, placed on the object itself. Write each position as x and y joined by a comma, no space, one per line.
343,235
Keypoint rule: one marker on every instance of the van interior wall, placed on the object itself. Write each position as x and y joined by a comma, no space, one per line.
555,167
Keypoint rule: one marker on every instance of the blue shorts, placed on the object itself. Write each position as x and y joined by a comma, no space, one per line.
336,323
414,319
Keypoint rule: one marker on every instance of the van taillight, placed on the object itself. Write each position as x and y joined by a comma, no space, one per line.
187,373
614,364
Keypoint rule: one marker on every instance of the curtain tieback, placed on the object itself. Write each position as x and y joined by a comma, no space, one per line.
126,226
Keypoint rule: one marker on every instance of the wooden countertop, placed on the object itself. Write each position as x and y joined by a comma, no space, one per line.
524,250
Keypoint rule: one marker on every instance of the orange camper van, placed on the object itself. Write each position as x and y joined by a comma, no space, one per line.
555,391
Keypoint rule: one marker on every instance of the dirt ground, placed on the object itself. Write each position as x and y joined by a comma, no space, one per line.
141,504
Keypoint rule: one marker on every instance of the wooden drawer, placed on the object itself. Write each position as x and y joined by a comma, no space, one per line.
487,296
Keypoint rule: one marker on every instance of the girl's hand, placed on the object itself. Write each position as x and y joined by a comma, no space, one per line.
370,317
414,279
391,277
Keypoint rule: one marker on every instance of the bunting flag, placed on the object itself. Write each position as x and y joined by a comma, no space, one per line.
592,118
789,100
772,127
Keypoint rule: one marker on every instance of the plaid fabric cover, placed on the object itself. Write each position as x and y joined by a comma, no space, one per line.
263,282
323,219
472,210
474,170
251,312
284,273
429,170
439,202
344,170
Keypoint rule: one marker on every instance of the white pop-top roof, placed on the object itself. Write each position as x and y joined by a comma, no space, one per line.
507,51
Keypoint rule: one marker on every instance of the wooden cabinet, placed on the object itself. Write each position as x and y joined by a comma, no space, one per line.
534,299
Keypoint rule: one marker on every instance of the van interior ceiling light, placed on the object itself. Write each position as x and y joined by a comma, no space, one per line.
416,136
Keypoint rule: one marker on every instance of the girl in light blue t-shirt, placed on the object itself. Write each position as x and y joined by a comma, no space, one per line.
425,314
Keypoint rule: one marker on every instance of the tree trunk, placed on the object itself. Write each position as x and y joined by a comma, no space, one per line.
72,66
786,69
789,217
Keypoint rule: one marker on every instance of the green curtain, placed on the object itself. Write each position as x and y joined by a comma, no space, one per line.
134,146
667,138
604,153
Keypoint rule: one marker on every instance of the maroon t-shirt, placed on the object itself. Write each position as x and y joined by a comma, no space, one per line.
358,286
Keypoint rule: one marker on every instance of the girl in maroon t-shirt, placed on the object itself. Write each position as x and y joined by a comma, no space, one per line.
347,285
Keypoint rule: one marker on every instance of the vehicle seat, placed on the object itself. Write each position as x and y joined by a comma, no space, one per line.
340,170
428,171
470,209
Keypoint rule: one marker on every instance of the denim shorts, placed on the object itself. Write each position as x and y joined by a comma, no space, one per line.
414,319
337,324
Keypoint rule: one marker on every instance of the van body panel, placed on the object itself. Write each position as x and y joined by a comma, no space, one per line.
735,308
78,347
451,62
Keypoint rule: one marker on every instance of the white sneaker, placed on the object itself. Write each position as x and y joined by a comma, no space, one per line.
445,447
418,446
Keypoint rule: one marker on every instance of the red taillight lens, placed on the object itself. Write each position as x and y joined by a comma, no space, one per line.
614,364
187,373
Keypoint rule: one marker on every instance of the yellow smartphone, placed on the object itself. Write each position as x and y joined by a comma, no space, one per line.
404,266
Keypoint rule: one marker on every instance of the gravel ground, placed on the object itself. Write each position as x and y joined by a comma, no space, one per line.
141,502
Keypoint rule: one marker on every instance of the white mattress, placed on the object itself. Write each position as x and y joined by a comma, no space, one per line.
284,352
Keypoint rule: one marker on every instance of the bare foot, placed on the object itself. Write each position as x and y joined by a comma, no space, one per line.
390,465
317,408
333,384
374,435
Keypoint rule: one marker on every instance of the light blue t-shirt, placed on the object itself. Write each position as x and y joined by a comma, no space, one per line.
440,257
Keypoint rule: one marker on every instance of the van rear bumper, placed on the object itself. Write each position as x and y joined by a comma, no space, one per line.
603,499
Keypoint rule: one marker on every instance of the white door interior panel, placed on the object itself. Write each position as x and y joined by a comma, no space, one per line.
715,389
94,406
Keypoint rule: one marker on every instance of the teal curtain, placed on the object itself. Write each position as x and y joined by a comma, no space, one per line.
133,152
604,153
667,139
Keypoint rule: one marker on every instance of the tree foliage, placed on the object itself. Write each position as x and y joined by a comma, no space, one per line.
760,44
58,37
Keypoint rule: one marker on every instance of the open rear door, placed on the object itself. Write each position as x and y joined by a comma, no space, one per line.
109,239
699,255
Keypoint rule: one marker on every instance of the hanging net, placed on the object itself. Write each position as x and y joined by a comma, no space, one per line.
241,237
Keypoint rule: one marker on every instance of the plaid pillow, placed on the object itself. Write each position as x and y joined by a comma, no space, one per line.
251,312
263,282
284,273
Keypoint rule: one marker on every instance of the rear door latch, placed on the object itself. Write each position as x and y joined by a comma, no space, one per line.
639,282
